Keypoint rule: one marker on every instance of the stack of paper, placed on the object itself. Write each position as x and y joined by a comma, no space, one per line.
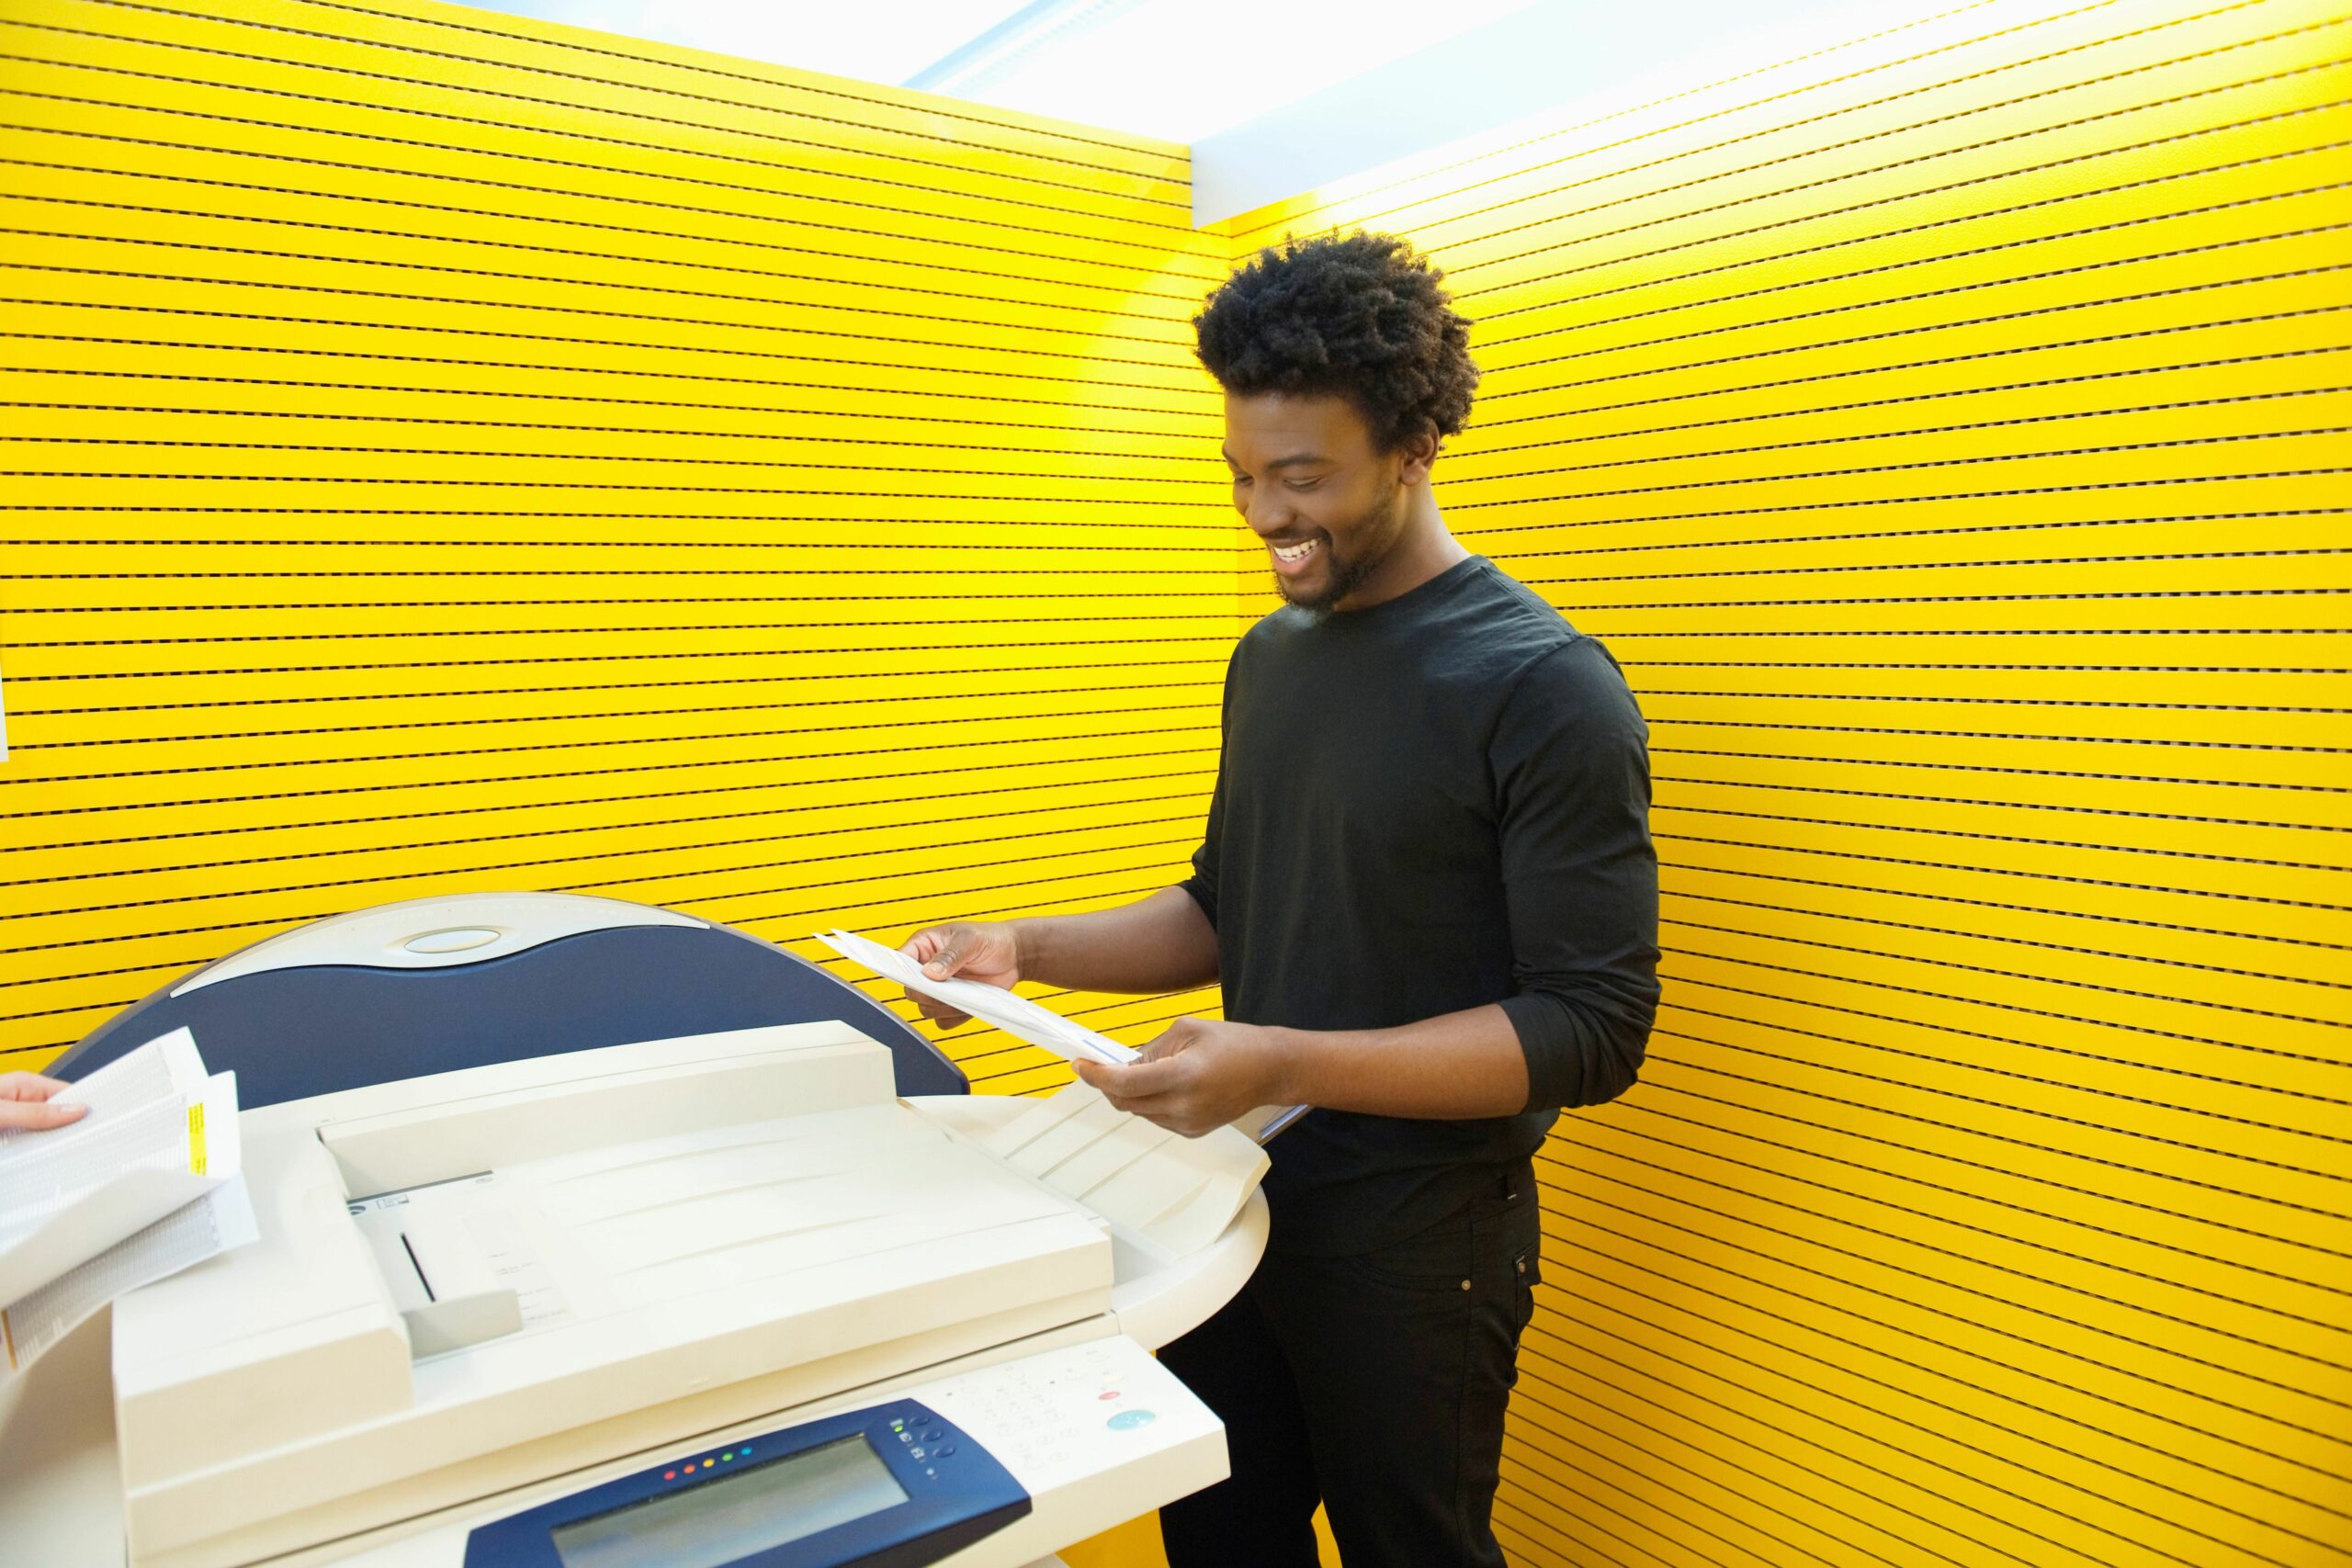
1024,1020
147,1182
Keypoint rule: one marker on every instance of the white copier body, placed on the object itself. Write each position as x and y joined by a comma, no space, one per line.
482,1292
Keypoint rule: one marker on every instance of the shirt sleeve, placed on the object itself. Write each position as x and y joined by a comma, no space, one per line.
1570,759
1202,884
1207,860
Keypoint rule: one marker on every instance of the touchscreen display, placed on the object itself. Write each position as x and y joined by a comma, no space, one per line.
736,1514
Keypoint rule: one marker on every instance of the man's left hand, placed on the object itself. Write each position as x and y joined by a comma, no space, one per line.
1198,1076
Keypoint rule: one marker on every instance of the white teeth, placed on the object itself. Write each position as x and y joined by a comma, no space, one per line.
1295,552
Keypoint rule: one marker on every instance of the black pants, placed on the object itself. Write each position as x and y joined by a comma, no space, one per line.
1375,1385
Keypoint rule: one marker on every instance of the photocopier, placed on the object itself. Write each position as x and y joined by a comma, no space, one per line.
596,1235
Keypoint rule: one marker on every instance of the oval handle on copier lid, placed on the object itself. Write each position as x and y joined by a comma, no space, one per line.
456,939
372,938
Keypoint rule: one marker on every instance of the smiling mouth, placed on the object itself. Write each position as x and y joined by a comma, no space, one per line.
1291,555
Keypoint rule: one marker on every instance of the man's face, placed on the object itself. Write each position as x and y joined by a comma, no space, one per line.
1309,481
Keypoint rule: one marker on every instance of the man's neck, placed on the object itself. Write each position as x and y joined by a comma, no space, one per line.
1425,551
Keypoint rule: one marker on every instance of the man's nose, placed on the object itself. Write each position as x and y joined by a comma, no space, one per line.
1266,512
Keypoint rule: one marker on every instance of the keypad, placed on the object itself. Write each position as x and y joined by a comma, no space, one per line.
1035,1418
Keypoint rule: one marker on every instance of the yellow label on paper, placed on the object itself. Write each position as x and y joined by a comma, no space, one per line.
196,1139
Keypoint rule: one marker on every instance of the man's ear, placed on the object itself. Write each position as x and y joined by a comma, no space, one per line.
1418,454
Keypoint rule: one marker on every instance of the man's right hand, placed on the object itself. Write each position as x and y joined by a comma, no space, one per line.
988,953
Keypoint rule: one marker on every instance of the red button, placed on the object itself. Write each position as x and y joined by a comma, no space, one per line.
1108,1394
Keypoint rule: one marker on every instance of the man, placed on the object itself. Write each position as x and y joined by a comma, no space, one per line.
1427,891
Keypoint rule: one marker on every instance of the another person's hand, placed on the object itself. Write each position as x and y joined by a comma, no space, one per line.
1198,1076
24,1103
988,953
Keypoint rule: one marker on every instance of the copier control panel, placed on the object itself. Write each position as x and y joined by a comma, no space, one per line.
951,1471
892,1483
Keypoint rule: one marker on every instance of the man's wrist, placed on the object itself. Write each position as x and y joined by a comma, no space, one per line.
1298,1058
1026,956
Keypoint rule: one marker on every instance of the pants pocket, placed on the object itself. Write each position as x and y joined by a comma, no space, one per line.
1435,1263
1527,1272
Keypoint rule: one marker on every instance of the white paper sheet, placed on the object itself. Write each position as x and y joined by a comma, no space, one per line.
1025,1020
1016,1015
159,1138
136,1121
166,1066
159,1133
220,1220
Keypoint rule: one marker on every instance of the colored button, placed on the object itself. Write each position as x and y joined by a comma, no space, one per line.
1108,1394
669,1475
933,1434
1128,1420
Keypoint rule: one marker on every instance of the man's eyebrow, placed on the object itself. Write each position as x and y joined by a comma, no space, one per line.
1296,460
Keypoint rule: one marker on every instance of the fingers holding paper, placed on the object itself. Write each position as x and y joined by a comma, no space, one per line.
988,953
25,1102
1200,1075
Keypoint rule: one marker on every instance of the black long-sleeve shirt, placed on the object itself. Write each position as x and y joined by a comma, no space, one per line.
1431,805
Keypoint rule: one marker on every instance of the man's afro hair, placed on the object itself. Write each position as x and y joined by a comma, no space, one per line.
1363,316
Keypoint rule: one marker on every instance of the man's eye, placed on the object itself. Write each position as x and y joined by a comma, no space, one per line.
1241,478
1304,484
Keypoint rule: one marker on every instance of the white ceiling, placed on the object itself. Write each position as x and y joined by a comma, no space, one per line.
1178,70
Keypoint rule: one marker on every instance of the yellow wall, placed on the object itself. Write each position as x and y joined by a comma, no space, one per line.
1949,434
450,452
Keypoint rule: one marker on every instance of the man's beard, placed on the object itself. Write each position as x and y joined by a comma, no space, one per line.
1346,574
1343,579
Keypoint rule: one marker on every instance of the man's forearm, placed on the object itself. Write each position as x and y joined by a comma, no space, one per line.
1459,1066
1160,944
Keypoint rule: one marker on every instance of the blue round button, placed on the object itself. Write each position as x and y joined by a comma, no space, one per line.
1128,1420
